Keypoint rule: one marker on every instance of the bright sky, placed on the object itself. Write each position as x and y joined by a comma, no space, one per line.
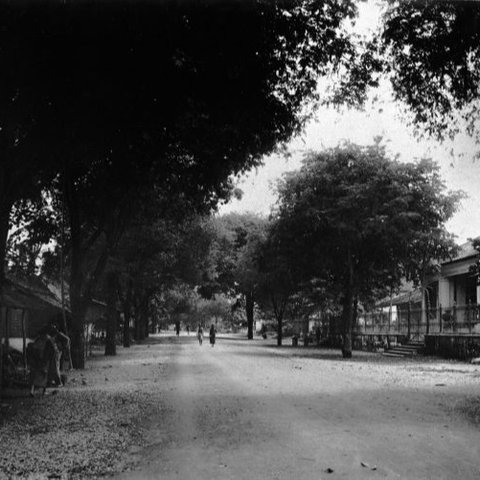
330,127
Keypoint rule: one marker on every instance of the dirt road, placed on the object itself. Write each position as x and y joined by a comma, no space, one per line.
169,409
246,410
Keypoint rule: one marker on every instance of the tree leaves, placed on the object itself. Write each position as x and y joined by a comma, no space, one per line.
430,53
354,204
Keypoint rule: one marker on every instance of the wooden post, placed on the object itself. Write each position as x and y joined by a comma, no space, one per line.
469,316
408,321
428,321
440,318
454,310
419,320
475,313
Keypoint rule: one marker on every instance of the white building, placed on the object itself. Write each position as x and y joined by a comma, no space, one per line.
451,297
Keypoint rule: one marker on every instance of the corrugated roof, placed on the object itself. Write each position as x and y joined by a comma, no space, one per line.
33,293
28,293
14,298
413,296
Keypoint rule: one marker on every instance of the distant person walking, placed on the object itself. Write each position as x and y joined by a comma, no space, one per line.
212,335
200,335
188,329
177,328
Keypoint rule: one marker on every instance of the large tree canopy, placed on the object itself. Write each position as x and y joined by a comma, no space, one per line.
201,83
434,49
360,221
430,52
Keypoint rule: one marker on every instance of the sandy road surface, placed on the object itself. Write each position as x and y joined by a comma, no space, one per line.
246,410
170,409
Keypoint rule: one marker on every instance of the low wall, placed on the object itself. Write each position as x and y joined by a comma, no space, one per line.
463,347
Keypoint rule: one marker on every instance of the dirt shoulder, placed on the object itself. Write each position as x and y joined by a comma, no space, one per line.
86,428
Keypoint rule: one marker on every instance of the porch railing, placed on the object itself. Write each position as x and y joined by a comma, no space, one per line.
415,323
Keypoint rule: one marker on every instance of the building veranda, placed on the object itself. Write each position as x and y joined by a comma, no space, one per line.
444,313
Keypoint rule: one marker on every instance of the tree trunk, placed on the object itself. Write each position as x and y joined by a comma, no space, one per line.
77,331
79,310
81,287
111,330
126,301
347,325
154,320
4,226
348,312
136,327
249,306
139,335
126,328
77,301
333,330
306,324
146,319
62,283
139,323
279,330
279,310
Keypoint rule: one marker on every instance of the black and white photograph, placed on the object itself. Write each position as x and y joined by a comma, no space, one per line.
240,239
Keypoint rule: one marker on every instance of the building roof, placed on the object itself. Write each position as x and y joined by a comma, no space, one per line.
28,293
412,296
465,250
35,293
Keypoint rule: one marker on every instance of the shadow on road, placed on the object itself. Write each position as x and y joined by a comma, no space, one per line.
335,355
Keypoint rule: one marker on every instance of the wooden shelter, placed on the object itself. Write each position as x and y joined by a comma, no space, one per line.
26,305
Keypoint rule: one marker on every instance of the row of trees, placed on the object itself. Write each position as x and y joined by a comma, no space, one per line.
350,226
120,122
318,239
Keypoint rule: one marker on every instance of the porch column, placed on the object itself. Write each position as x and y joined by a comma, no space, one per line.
444,292
423,312
476,308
